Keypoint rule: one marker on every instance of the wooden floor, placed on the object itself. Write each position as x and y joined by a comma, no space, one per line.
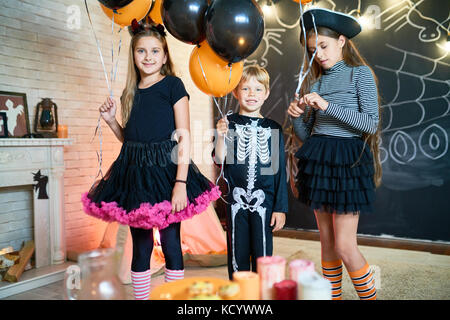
403,260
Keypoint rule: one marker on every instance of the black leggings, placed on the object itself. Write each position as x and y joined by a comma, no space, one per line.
143,247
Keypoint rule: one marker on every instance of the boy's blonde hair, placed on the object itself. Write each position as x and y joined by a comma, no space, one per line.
260,74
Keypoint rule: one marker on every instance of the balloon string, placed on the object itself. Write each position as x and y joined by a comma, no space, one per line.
118,55
98,48
98,129
112,49
302,75
99,153
221,175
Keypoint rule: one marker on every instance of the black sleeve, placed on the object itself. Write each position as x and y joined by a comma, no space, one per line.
281,194
177,91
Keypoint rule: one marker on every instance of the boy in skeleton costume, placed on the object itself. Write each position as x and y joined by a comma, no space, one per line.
254,167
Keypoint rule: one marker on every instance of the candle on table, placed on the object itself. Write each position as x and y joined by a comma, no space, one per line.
248,283
298,266
285,290
271,269
311,286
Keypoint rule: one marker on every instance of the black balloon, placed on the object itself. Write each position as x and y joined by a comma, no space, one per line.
115,4
234,28
184,19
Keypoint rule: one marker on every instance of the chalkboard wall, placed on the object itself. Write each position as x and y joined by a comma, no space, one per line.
405,44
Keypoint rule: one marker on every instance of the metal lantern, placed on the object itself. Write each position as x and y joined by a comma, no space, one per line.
46,120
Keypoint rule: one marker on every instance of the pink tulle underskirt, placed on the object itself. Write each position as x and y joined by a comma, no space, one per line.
148,216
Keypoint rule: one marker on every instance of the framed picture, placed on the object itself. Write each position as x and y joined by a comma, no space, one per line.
16,108
3,125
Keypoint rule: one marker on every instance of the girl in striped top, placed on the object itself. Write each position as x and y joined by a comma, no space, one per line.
337,117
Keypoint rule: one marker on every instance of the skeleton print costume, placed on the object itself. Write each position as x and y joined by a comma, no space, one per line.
255,169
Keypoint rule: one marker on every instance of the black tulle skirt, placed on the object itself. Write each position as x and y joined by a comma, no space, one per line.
137,189
335,174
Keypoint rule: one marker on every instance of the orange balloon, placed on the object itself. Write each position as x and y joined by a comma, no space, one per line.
136,9
217,71
303,1
155,14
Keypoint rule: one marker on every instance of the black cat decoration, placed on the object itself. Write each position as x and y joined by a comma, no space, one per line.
41,185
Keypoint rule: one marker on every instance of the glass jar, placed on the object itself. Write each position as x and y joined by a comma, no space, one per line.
95,277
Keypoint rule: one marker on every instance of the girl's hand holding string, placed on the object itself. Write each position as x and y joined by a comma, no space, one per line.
296,107
108,110
315,101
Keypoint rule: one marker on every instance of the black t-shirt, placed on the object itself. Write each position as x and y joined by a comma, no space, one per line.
152,117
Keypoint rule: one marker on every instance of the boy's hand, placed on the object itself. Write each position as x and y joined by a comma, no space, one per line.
108,110
222,126
278,219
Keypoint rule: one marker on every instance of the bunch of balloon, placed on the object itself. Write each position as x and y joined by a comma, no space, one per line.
233,30
124,11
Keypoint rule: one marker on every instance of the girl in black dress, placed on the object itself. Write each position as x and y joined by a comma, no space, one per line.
337,117
153,183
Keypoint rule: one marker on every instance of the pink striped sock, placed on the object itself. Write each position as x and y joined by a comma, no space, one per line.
141,284
173,275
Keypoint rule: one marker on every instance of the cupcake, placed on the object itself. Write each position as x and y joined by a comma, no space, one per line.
229,291
201,287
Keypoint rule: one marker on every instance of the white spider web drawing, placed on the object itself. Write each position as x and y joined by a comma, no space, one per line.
416,130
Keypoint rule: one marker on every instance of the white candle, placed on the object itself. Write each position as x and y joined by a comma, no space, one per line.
311,286
271,269
298,266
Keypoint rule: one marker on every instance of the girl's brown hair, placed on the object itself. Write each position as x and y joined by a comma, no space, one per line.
352,57
133,75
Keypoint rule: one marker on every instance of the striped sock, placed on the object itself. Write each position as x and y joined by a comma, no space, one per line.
364,283
173,275
332,271
141,284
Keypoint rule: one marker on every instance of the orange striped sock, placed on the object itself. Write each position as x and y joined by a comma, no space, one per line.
364,283
332,271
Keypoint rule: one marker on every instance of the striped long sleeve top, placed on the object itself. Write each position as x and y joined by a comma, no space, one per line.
353,104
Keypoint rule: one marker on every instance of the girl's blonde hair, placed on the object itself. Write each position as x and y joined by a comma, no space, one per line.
352,57
259,73
133,76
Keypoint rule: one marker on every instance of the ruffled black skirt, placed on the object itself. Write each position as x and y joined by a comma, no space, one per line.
137,189
335,174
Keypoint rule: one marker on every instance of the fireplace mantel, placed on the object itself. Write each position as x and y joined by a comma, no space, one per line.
18,142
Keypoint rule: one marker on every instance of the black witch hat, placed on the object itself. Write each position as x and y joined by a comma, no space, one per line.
342,23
